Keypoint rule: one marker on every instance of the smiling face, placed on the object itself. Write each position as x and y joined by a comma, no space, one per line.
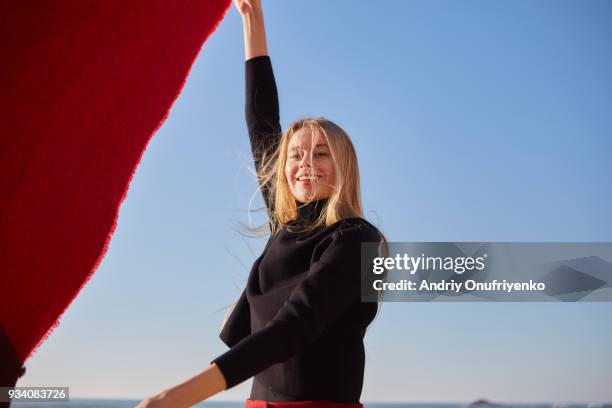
309,168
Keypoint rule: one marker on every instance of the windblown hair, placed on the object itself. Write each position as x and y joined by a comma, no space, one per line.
345,199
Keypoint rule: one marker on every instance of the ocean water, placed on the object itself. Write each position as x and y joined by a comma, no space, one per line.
103,403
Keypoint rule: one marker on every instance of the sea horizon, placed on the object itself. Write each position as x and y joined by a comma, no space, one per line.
483,402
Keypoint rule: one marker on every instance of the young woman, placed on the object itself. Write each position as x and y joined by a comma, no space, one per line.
299,324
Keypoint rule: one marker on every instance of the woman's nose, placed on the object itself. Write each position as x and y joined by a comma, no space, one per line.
305,162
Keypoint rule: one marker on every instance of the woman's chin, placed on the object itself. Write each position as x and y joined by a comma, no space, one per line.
304,194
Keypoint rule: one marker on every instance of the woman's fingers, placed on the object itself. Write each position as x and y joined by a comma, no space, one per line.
246,7
243,6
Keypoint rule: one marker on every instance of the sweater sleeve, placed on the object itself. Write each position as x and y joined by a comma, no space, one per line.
331,285
262,113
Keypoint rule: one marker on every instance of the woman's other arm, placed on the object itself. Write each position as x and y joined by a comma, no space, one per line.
198,388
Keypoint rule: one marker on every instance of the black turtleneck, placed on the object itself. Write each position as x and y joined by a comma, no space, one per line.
310,211
307,213
299,324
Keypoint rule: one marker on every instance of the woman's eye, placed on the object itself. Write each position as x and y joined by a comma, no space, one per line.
320,154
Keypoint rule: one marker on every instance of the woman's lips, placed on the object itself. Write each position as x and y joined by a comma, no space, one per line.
307,178
307,181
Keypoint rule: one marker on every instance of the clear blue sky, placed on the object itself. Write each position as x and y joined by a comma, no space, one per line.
473,121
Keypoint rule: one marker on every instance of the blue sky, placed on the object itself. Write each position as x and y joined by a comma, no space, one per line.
473,121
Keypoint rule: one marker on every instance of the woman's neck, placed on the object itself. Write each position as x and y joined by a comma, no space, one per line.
310,211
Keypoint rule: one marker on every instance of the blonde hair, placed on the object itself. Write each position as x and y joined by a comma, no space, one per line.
345,199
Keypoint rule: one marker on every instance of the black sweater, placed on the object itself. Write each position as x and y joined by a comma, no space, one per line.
299,324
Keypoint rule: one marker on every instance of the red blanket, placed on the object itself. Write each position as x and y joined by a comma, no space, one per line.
84,85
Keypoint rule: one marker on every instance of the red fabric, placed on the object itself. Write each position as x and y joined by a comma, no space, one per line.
299,404
84,85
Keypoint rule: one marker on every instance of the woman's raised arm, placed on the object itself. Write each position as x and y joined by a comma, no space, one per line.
262,107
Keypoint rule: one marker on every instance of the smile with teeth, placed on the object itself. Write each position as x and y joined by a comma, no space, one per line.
308,178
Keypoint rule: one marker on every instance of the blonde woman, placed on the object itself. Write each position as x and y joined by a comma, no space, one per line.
299,324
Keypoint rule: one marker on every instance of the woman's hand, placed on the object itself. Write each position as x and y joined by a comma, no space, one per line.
161,400
246,7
